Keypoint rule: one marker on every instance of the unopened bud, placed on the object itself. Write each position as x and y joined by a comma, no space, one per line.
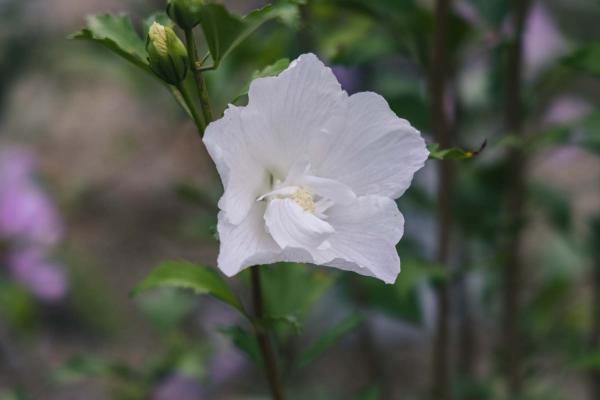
166,53
185,13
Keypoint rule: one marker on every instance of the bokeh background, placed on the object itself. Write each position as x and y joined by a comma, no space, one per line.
102,177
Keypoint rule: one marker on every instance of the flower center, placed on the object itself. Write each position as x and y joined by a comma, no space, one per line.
304,199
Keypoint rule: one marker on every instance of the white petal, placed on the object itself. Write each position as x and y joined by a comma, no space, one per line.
366,234
330,189
291,226
286,110
244,178
246,244
375,153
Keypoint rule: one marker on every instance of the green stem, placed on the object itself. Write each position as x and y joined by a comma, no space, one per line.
266,348
439,67
189,102
200,83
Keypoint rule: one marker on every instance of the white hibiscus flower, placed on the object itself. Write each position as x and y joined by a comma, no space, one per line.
311,174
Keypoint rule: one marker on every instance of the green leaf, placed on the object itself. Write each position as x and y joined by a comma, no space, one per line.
245,341
271,70
289,320
370,393
185,275
17,306
453,153
401,300
553,203
116,33
329,338
589,361
591,139
586,58
225,31
290,290
81,367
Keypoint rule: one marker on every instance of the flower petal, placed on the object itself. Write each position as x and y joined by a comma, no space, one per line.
374,151
285,111
366,234
247,243
329,189
291,226
244,179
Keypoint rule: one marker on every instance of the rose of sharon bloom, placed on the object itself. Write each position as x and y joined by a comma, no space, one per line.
29,227
27,216
311,174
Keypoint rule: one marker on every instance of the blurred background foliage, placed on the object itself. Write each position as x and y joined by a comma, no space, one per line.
102,177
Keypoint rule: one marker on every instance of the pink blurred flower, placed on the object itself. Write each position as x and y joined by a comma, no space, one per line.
178,387
27,216
225,365
566,109
45,280
29,227
543,41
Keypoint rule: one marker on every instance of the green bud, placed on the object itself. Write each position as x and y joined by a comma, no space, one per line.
184,12
166,53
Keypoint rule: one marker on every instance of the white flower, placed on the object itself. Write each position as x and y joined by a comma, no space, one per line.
311,174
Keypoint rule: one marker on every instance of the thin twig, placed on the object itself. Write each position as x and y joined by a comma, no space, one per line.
515,206
200,83
263,339
438,76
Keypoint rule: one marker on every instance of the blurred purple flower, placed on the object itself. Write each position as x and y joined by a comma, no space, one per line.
348,77
26,214
45,280
29,227
542,40
16,164
178,387
225,365
566,109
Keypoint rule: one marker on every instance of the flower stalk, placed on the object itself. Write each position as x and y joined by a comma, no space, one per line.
512,335
200,83
191,105
437,85
263,338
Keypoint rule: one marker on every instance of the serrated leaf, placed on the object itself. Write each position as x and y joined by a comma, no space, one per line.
186,275
453,153
329,338
586,58
271,70
244,341
225,31
116,33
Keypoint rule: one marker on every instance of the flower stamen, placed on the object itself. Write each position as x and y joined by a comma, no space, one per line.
304,199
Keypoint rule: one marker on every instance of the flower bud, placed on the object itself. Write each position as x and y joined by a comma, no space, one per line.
184,12
166,53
